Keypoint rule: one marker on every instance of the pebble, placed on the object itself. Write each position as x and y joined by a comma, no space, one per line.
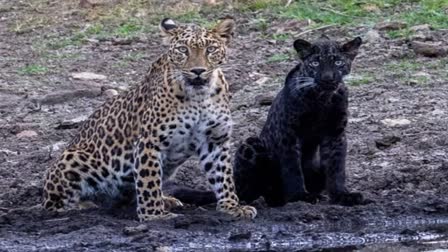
88,76
26,133
110,93
395,122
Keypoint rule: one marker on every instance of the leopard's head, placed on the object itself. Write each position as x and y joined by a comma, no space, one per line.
327,61
197,51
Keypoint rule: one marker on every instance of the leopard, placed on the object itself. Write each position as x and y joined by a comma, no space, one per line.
181,109
302,147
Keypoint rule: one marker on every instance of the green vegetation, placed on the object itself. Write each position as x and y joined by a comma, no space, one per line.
350,12
278,58
359,80
33,69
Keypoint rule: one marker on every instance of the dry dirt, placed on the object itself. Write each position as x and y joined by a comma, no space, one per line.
402,168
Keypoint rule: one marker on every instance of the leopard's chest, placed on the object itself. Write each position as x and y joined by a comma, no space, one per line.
193,130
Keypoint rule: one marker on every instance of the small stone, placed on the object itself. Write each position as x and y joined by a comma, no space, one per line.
386,142
122,88
390,26
110,93
88,76
262,80
372,36
26,133
265,100
395,122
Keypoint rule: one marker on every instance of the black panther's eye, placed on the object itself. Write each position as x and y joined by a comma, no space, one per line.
211,49
314,63
339,63
182,49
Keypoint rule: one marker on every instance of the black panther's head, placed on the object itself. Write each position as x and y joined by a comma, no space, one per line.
327,61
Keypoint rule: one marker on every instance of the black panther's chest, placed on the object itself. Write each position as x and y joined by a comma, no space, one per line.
317,118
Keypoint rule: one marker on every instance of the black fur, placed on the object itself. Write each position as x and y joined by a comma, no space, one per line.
302,148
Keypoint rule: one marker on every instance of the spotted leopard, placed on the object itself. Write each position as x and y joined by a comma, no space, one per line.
142,136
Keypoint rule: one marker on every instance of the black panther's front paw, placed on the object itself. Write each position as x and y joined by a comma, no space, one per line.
312,198
348,199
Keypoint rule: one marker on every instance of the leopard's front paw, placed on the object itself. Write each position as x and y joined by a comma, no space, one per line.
236,210
164,215
171,202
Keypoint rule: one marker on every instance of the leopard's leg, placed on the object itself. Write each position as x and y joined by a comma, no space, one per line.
333,153
215,161
68,180
148,181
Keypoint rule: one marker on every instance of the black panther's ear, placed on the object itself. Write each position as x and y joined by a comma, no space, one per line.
351,48
167,27
304,48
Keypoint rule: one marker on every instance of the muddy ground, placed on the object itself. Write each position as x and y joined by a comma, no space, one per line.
402,168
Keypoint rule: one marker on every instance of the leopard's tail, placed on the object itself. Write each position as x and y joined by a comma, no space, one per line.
251,166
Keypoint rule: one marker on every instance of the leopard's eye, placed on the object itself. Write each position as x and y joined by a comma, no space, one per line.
339,63
182,49
211,49
314,63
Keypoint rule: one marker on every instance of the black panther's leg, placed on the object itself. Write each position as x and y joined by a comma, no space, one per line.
252,161
333,152
292,178
315,178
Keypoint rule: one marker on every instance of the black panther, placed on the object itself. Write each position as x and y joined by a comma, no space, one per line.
302,147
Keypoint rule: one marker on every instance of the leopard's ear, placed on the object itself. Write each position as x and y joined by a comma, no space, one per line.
304,48
225,29
168,27
351,48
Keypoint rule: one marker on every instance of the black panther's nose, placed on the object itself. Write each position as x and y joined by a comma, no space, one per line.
327,77
198,71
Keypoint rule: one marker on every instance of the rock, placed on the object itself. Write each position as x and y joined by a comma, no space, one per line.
429,49
372,36
395,122
66,96
264,100
386,142
135,230
26,133
72,123
110,93
240,236
88,76
421,28
390,26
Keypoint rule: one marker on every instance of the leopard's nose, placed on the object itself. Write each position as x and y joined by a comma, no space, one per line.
197,71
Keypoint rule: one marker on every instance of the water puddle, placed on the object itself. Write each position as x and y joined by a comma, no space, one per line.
392,234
